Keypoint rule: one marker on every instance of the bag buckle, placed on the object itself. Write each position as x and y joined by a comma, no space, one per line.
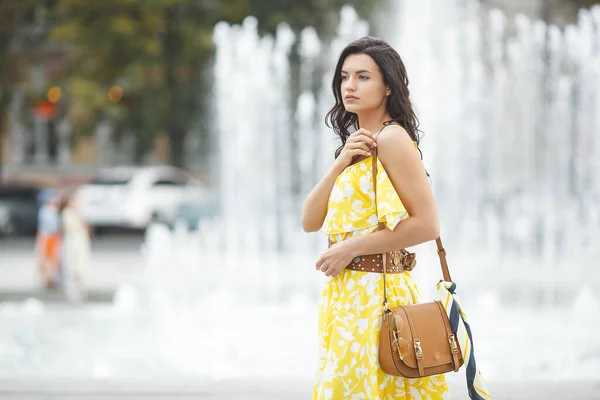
418,350
452,342
389,317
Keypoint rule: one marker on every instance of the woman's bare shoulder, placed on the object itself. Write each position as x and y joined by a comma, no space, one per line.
394,139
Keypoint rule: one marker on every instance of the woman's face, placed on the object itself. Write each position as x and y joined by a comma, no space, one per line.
362,84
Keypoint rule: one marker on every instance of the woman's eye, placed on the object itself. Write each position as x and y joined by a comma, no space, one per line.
364,78
344,77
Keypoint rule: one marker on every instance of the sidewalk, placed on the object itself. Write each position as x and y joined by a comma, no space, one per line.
116,261
520,347
254,390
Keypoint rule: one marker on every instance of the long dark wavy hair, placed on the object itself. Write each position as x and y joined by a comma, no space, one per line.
394,76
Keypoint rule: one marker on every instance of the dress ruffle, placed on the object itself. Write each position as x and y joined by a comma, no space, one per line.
351,205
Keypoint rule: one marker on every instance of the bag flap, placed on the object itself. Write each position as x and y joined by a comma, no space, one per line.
430,329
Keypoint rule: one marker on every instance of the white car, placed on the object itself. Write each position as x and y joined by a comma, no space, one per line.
136,196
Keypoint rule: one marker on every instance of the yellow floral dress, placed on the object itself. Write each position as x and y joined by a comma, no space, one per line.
351,303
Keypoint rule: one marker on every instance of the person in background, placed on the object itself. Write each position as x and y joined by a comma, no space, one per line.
48,243
76,249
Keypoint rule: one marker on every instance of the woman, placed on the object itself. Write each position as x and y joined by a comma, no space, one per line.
76,249
370,86
48,243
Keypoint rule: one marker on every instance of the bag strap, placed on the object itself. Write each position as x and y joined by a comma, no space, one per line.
440,248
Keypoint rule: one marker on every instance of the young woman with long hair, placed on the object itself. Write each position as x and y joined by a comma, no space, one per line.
372,108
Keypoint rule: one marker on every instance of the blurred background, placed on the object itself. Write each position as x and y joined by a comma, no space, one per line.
154,157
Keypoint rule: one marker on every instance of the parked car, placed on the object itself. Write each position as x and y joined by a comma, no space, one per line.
18,210
192,214
136,196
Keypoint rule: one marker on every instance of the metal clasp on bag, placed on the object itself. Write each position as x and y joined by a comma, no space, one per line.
396,341
418,350
389,316
452,342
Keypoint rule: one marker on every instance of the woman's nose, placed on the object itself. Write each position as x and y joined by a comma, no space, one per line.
351,83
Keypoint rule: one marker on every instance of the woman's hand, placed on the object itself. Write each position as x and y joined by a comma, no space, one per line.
358,144
335,259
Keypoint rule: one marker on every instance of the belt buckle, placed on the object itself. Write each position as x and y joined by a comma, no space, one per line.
396,258
403,259
408,259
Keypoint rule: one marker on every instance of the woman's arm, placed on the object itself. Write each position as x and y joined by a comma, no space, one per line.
314,209
407,174
405,170
315,206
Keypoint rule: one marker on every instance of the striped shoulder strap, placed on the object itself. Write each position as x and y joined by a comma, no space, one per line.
462,331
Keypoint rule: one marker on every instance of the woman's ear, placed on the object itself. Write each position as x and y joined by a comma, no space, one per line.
388,91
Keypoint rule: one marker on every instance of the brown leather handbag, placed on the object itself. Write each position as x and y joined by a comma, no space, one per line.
416,340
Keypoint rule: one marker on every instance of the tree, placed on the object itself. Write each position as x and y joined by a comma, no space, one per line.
156,49
13,40
583,3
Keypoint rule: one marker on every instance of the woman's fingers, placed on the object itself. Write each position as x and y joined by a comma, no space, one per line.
326,266
329,270
334,272
367,140
322,265
366,135
363,131
359,149
360,143
319,262
361,152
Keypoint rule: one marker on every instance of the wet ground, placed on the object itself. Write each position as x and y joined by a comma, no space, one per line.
111,350
264,390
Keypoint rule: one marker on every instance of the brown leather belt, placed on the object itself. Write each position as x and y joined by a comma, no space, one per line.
397,262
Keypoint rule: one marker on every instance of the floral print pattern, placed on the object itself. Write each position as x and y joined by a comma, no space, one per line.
351,205
351,303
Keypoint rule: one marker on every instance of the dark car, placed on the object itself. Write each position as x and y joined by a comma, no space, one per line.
18,210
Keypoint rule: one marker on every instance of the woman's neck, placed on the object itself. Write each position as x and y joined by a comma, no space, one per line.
373,122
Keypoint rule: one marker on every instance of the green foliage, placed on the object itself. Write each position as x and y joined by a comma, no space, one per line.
583,3
124,42
12,18
156,50
572,16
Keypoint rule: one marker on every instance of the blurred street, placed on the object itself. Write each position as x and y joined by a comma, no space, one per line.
115,260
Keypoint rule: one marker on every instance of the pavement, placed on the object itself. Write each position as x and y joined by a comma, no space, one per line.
36,389
117,261
54,296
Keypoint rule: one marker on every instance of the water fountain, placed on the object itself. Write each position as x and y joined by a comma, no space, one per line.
508,141
509,121
509,113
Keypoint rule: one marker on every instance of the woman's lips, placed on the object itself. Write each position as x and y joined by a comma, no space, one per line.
350,98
